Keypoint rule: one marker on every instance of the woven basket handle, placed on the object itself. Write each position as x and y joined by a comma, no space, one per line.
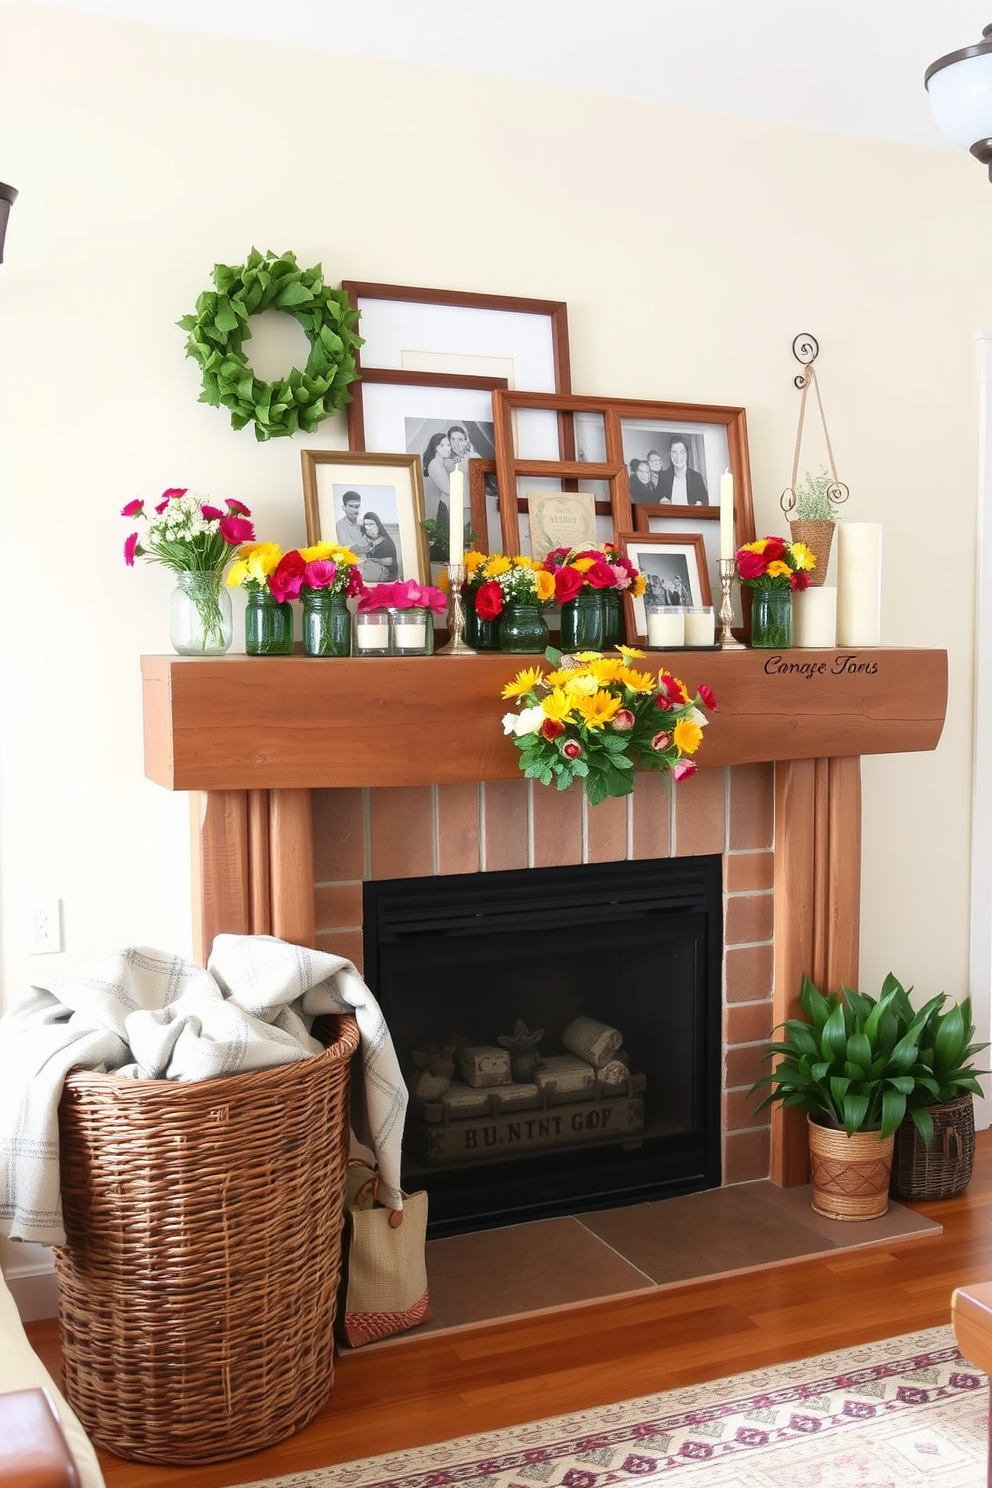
953,1151
367,1196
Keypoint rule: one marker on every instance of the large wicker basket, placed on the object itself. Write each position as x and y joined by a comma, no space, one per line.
942,1168
197,1285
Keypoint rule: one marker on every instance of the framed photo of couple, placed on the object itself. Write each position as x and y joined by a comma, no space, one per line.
430,363
674,568
372,504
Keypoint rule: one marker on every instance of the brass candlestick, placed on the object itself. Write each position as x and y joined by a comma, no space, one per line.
728,569
456,614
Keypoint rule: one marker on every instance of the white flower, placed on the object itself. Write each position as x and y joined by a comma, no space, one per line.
510,721
529,720
695,716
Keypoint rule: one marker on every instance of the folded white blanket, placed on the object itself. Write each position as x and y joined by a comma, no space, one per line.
152,1016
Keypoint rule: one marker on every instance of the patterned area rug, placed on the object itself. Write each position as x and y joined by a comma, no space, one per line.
906,1411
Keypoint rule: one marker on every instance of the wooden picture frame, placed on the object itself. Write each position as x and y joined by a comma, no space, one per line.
388,486
661,556
604,431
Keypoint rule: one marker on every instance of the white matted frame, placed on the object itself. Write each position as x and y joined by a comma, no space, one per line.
660,557
388,485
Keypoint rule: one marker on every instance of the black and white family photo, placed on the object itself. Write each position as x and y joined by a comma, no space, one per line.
668,472
367,522
446,445
667,579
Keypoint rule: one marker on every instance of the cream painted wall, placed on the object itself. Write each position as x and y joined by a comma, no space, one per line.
690,249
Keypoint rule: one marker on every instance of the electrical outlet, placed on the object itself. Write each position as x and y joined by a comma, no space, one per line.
45,927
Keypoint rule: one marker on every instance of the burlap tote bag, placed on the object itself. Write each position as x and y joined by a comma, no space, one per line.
384,1274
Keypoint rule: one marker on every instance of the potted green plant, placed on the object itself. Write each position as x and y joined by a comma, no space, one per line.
934,1152
811,519
852,1064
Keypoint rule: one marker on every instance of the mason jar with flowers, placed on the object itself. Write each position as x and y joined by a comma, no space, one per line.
195,539
598,718
589,584
482,634
268,620
773,570
324,577
516,591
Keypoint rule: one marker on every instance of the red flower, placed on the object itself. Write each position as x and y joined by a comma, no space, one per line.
571,749
774,548
354,584
130,548
236,530
211,513
568,582
132,509
706,693
661,741
624,720
286,580
551,728
800,579
238,507
751,565
489,601
683,770
174,493
601,575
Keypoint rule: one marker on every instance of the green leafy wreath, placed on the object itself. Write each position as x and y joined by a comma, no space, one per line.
220,327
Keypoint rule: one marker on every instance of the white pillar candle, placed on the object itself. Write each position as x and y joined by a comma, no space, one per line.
372,632
727,515
814,617
456,518
699,629
859,583
666,627
410,635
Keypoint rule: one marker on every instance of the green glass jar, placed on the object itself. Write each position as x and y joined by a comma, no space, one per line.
268,625
771,619
480,634
523,628
583,622
326,623
612,617
200,614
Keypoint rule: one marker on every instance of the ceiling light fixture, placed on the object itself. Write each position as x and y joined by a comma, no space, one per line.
960,88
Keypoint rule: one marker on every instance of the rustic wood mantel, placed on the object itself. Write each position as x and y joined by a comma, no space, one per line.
253,736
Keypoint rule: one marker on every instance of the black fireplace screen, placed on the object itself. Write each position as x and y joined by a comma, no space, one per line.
559,1030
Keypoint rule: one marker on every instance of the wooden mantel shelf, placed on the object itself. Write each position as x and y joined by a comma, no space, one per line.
258,723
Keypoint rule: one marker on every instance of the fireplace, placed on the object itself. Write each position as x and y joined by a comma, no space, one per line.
560,1031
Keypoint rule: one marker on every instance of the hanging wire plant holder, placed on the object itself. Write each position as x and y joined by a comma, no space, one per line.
806,349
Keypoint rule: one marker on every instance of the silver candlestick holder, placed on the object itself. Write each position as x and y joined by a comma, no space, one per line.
456,646
728,570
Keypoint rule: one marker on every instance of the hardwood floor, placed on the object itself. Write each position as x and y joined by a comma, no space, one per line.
416,1391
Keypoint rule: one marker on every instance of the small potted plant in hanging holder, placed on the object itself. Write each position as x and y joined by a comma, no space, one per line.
811,507
934,1152
852,1064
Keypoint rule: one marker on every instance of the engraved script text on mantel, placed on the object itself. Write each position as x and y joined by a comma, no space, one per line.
845,663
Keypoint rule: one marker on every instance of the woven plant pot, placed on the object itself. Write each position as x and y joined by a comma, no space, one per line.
198,1282
818,537
944,1167
850,1174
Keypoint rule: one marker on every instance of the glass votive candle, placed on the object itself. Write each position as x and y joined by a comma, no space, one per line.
666,625
371,631
699,625
412,632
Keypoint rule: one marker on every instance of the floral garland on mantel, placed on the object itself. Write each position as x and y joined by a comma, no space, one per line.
220,327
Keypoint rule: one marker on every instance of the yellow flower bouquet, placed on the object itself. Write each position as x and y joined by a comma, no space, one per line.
596,717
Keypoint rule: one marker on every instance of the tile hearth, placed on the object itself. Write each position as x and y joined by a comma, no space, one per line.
499,1274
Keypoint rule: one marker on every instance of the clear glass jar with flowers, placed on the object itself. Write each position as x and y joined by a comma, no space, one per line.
589,584
773,570
268,620
516,592
195,539
598,718
398,619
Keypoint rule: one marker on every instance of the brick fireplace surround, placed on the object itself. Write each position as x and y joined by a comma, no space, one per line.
313,776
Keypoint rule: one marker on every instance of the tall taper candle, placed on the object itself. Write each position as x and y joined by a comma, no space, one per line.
859,583
456,518
727,515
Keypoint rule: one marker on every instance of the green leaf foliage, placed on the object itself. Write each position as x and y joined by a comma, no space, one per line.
864,1063
220,326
